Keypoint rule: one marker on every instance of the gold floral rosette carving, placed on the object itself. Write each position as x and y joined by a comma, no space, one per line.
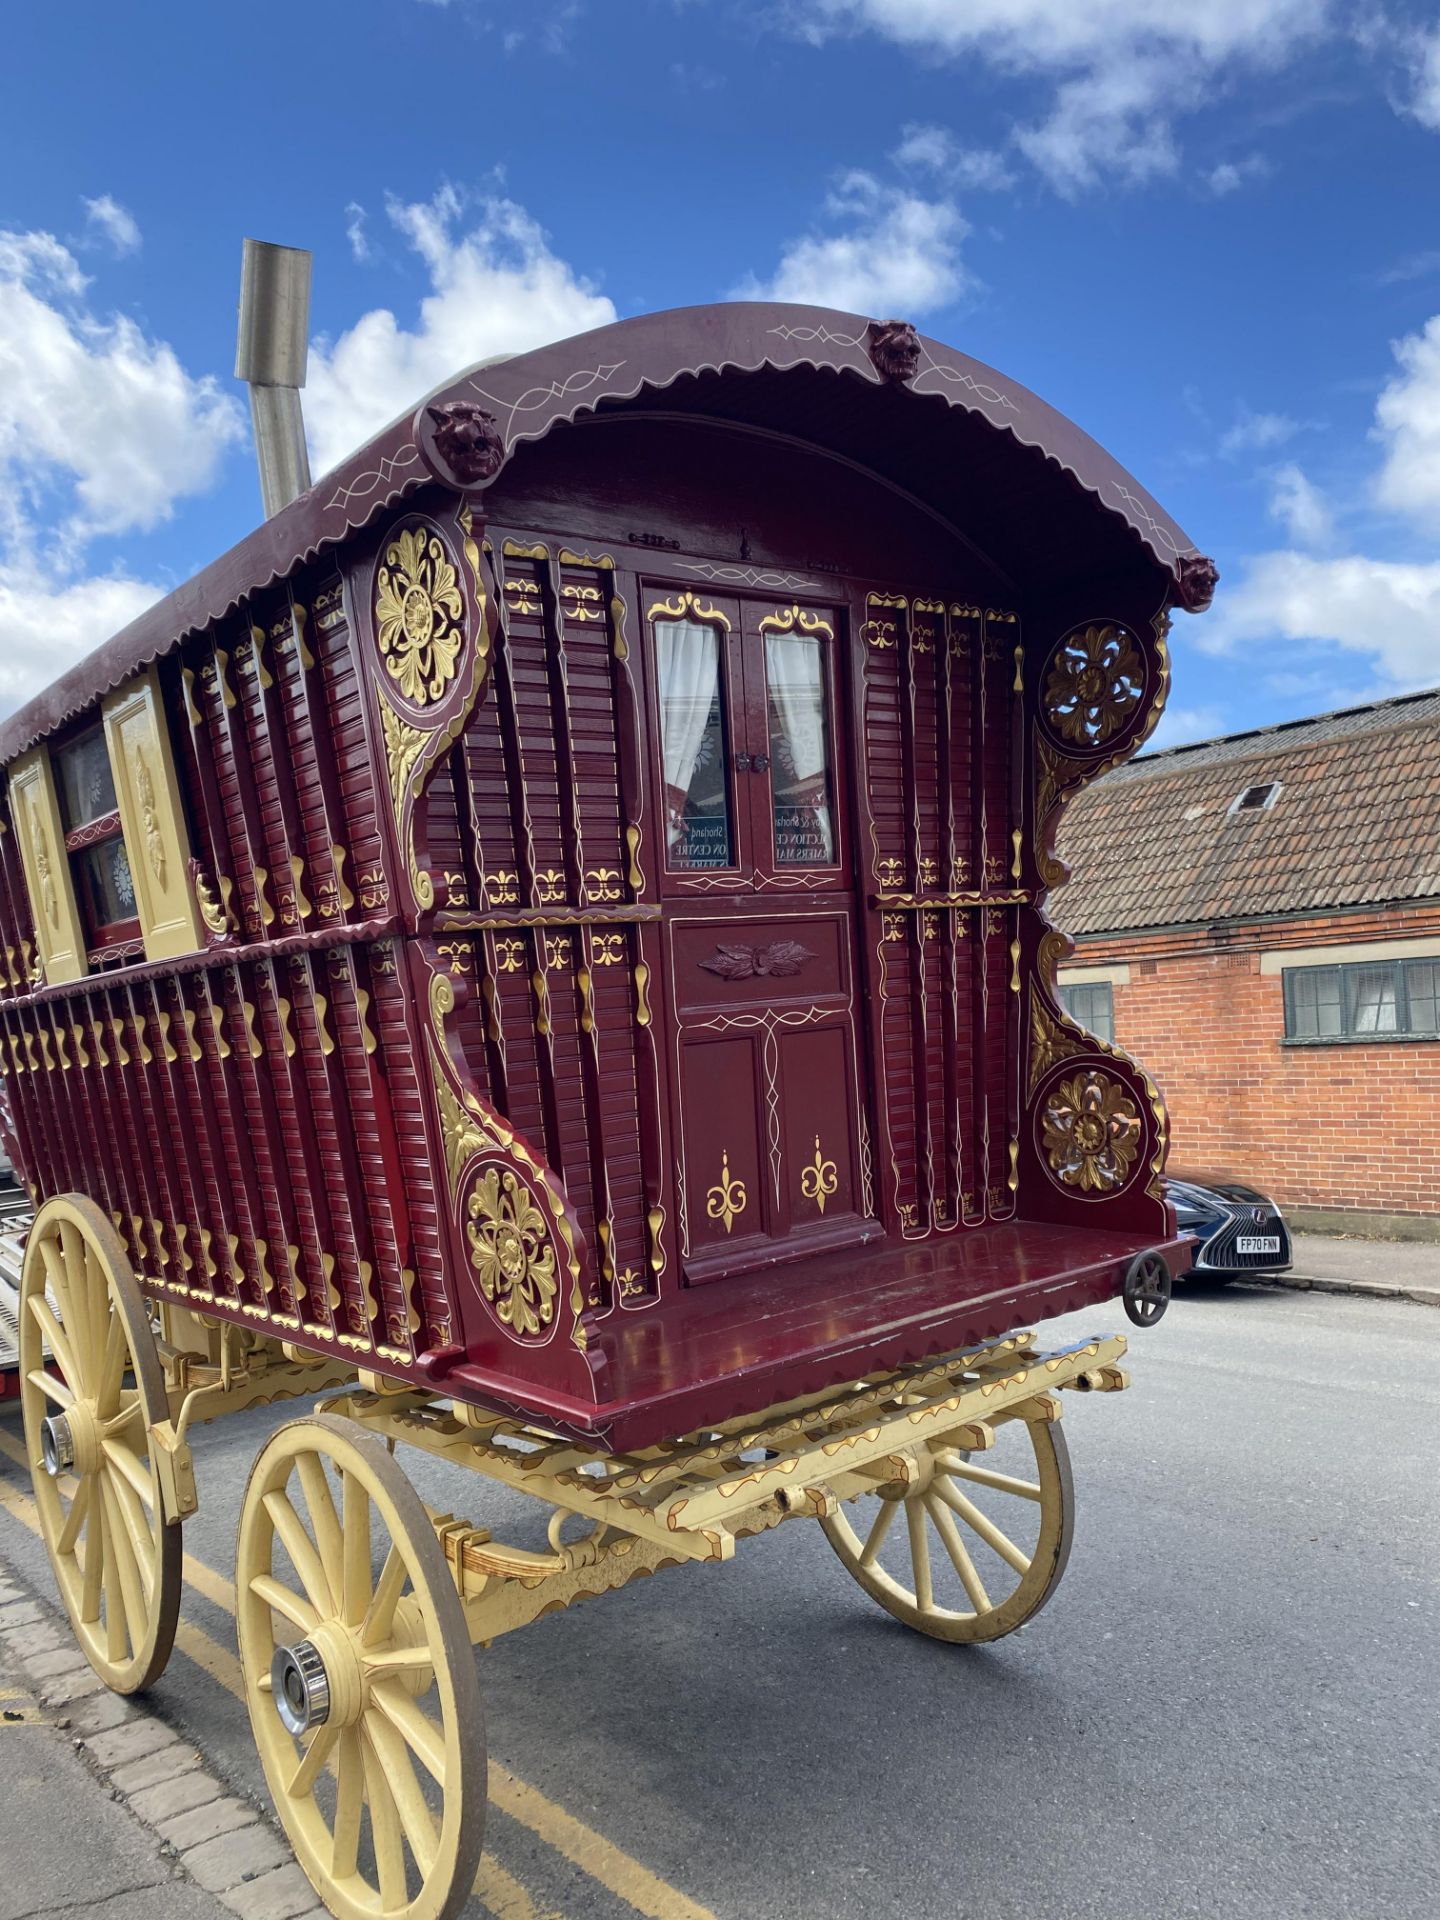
511,1253
1091,1131
1093,685
418,615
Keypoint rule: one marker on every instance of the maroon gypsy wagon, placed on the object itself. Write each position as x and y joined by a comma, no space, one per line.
544,942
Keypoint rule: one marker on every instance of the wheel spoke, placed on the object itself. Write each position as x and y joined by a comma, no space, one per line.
424,1739
75,1519
58,1342
349,1802
920,1556
388,1589
961,1469
94,1564
959,1556
58,1280
415,1817
112,1368
137,1523
126,1461
323,1520
301,1549
875,1539
127,1567
115,1636
52,1388
302,1782
399,1660
357,1563
982,1524
285,1601
385,1835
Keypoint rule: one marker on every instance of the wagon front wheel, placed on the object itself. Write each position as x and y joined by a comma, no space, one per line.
359,1676
91,1390
972,1545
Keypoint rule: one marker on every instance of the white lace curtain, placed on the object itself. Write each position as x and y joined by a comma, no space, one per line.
687,658
795,673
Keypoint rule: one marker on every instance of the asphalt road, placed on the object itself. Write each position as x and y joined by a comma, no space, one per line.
1231,1707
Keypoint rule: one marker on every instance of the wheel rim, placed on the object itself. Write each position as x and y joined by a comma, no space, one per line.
975,1544
88,1411
346,1603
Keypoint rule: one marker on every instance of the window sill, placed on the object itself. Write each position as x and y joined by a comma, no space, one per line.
1362,1040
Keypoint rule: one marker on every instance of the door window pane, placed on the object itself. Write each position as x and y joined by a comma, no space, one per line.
694,743
87,787
1315,1003
801,781
1422,988
1372,999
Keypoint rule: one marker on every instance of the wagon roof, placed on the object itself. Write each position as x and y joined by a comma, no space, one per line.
984,451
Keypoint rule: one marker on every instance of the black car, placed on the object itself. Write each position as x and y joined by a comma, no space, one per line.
1235,1229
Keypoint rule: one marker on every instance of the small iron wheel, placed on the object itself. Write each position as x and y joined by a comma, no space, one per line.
91,1389
1003,1522
361,1683
1148,1287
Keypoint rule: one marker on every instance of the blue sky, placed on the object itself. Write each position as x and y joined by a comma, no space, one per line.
1208,232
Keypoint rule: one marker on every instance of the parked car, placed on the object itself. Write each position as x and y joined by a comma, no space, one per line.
1235,1229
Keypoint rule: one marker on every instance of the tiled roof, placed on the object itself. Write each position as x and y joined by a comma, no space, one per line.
1356,822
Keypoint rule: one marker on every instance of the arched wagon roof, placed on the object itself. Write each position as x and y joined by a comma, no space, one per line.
1040,499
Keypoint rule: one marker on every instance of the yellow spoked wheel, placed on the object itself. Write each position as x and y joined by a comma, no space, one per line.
91,1388
981,1540
359,1676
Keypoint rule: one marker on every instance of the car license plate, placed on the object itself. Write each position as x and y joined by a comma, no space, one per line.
1257,1243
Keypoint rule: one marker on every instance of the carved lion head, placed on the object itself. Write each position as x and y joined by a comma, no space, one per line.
894,349
467,440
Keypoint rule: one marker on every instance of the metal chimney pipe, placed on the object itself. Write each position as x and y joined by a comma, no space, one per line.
270,354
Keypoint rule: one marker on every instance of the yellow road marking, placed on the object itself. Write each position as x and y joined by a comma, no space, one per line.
506,1898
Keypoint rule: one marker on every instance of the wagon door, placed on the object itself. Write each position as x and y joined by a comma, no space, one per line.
760,910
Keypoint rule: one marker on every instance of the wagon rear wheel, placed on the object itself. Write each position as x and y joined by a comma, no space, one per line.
359,1676
91,1388
976,1544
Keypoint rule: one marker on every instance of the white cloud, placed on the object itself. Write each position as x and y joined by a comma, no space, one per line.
927,149
47,622
899,253
355,218
1301,507
1407,417
1255,432
1178,725
1123,68
496,287
1231,175
102,431
1386,611
94,404
114,224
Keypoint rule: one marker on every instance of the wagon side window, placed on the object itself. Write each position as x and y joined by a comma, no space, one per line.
695,745
95,845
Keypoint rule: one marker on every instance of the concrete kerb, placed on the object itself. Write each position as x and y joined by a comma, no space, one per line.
1373,1289
223,1844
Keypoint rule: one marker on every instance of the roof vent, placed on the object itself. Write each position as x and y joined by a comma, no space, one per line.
1256,799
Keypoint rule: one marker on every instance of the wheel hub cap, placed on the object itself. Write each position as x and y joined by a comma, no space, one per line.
57,1445
300,1687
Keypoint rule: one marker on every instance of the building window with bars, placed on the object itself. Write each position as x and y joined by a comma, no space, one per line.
1092,1004
1364,1000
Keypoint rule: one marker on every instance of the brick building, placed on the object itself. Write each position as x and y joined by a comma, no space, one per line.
1257,918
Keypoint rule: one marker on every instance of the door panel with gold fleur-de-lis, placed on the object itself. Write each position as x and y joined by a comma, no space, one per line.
760,930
